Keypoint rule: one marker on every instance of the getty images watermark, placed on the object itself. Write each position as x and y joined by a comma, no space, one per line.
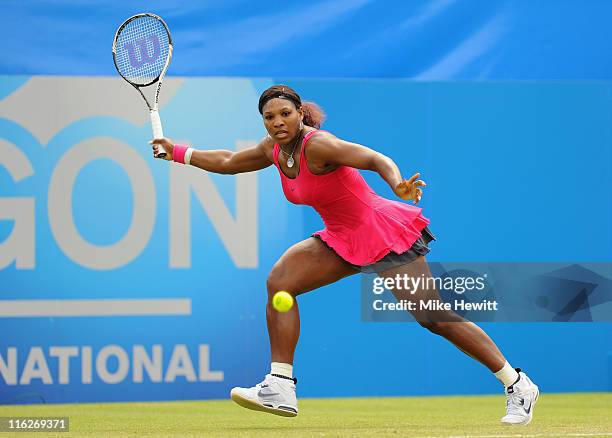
415,293
496,292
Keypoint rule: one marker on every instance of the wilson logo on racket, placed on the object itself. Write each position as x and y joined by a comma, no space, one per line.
138,65
138,51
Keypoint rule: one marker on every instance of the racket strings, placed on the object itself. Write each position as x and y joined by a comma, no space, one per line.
142,50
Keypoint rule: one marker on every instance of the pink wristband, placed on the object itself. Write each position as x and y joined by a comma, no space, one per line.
178,153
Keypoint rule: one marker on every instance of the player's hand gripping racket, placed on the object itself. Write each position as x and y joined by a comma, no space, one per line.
142,50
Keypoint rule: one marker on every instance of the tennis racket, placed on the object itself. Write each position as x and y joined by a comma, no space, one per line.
142,50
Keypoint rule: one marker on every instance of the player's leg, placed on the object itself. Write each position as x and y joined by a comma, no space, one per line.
470,339
305,266
465,335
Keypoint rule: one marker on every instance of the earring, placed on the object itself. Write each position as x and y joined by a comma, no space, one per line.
301,125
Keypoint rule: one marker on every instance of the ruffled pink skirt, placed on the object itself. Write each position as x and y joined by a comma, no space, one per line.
390,226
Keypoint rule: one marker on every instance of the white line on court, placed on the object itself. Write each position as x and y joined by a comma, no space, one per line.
520,435
110,307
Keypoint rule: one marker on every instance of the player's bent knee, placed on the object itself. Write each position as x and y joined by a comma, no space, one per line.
275,282
271,285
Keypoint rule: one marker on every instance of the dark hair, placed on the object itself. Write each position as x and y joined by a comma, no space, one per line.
313,114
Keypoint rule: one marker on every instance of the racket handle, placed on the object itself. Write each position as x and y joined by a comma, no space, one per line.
157,131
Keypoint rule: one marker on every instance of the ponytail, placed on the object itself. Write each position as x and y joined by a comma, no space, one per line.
313,114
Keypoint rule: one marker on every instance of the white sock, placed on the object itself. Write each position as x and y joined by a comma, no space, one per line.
284,369
507,375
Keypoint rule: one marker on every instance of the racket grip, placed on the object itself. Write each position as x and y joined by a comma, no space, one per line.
157,131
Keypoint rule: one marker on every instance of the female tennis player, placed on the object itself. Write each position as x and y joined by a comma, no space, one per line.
364,233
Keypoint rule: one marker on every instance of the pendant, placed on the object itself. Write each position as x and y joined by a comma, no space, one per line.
290,162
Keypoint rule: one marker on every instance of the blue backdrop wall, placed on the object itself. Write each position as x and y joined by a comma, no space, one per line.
516,171
418,39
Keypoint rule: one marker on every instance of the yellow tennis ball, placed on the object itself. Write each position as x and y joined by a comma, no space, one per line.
282,301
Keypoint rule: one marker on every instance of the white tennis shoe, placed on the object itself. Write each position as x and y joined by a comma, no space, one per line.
275,395
521,398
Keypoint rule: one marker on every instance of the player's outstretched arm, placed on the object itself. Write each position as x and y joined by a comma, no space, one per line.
330,152
221,161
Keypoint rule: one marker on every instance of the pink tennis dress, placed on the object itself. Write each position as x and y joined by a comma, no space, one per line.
360,226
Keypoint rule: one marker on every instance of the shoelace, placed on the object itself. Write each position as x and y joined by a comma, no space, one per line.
513,405
264,382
